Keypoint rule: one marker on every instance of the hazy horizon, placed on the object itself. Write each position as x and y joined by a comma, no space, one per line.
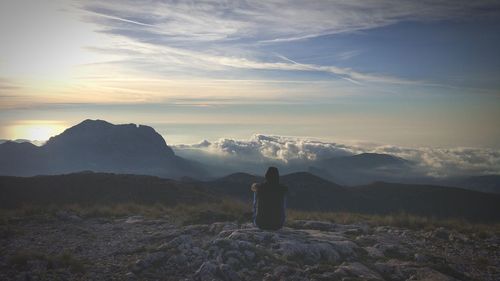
291,153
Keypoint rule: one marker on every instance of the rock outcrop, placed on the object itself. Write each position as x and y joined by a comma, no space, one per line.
68,247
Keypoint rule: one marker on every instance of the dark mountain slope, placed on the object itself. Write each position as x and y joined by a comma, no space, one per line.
305,191
438,201
309,192
96,188
487,183
236,185
21,159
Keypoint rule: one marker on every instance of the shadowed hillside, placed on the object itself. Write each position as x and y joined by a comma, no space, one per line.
309,192
306,192
488,183
89,188
429,200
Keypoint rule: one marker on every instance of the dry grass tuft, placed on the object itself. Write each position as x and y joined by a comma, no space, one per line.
234,210
403,220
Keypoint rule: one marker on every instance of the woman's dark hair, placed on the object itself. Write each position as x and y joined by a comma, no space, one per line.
272,175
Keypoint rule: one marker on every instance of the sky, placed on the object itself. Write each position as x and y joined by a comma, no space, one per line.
397,73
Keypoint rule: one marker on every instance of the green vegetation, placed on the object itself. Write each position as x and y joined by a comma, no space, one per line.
234,210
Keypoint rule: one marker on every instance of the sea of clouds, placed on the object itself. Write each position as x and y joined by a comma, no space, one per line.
302,152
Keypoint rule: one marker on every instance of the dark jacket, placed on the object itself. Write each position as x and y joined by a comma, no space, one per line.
269,205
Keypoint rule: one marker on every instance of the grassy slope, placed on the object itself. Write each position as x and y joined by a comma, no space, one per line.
96,194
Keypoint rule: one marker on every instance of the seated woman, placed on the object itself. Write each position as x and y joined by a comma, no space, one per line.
269,202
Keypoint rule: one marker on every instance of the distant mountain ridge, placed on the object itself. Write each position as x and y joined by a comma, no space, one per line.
35,142
366,161
363,168
486,183
99,146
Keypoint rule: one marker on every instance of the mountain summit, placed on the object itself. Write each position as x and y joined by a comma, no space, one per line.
98,145
100,139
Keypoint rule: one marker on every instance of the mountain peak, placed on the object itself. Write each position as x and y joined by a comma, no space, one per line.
306,178
98,136
99,124
94,122
97,145
240,177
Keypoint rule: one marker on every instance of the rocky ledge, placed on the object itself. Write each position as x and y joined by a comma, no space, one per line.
135,248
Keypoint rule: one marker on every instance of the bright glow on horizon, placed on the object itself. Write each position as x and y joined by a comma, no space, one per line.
35,130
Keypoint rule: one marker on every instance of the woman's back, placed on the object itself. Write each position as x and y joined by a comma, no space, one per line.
270,202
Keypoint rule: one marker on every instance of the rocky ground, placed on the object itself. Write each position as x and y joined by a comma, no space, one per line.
67,247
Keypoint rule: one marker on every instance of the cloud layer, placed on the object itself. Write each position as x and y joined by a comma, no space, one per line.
434,162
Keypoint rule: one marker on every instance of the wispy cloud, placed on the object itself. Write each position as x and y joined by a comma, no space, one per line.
122,19
166,57
348,54
217,36
278,21
209,39
7,84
